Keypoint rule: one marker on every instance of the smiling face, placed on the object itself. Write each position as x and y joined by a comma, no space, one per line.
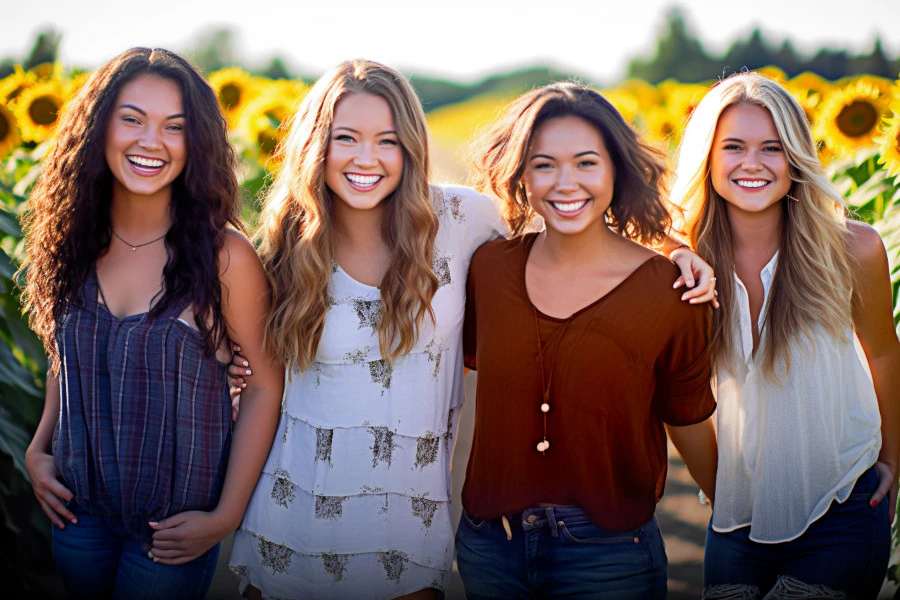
364,163
569,176
748,165
145,145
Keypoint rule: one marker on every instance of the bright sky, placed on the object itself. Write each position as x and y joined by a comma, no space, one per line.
458,39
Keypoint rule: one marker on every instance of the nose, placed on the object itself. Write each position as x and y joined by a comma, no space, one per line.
150,138
567,181
366,156
751,161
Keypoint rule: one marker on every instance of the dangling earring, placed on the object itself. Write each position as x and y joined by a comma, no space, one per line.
788,195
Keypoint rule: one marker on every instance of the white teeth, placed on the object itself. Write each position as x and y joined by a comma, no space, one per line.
568,206
750,184
140,161
363,180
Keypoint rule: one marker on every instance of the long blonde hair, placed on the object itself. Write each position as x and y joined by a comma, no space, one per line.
813,283
296,233
637,210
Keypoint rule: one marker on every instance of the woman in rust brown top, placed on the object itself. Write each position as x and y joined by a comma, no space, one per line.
585,357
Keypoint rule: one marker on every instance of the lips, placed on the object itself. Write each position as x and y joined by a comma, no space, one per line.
568,208
144,165
751,184
363,182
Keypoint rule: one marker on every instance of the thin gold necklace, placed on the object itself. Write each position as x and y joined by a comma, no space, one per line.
134,247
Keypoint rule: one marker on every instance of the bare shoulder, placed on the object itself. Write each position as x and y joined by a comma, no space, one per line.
237,255
865,246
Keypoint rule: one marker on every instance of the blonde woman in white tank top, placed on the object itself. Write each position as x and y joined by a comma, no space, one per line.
806,357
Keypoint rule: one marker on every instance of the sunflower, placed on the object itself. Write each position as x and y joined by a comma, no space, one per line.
37,110
889,144
9,131
48,70
809,85
773,72
235,88
263,124
14,84
625,102
678,100
849,117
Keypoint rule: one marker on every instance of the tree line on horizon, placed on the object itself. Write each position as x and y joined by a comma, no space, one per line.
679,54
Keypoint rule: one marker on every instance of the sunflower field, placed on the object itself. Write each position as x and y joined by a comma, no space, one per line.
856,123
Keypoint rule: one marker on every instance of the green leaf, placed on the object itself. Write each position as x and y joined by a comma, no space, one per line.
14,440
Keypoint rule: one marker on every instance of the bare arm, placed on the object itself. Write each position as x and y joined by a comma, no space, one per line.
874,324
696,444
245,306
693,270
48,490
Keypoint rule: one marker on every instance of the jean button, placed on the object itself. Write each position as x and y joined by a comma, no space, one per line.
530,519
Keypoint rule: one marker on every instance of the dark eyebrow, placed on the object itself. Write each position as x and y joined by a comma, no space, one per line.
580,154
386,132
743,142
139,110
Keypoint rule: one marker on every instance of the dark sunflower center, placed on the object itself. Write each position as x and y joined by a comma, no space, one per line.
5,127
230,95
43,110
857,118
267,142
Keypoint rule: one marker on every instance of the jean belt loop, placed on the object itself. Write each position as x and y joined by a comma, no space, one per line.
551,521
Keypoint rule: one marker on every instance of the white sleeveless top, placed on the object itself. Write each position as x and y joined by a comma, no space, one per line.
788,448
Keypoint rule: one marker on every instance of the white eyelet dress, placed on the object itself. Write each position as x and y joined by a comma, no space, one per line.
354,500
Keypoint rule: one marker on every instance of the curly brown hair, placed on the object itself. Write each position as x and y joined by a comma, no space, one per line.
67,222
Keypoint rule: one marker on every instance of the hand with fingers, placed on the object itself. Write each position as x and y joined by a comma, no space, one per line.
186,536
50,493
695,270
238,371
887,488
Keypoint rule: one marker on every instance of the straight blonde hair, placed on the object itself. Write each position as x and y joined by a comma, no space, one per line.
813,282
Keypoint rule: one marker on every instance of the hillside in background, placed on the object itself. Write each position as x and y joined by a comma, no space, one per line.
678,54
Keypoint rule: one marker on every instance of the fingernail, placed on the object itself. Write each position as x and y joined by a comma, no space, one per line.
155,559
874,503
243,385
74,521
249,372
154,524
246,364
238,348
149,555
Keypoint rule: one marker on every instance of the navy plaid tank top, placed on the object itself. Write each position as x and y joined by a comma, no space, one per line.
144,427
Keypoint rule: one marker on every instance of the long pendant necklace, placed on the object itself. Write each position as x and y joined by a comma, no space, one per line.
544,445
134,247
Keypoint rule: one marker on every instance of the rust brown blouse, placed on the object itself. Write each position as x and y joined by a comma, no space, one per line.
627,363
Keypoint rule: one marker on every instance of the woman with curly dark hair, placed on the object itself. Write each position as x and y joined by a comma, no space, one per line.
136,271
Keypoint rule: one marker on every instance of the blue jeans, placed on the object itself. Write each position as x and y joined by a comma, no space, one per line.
559,552
845,550
95,562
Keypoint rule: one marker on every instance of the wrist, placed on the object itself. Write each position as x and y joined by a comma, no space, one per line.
226,520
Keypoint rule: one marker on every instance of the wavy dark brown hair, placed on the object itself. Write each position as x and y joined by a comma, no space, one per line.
67,223
500,153
296,233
